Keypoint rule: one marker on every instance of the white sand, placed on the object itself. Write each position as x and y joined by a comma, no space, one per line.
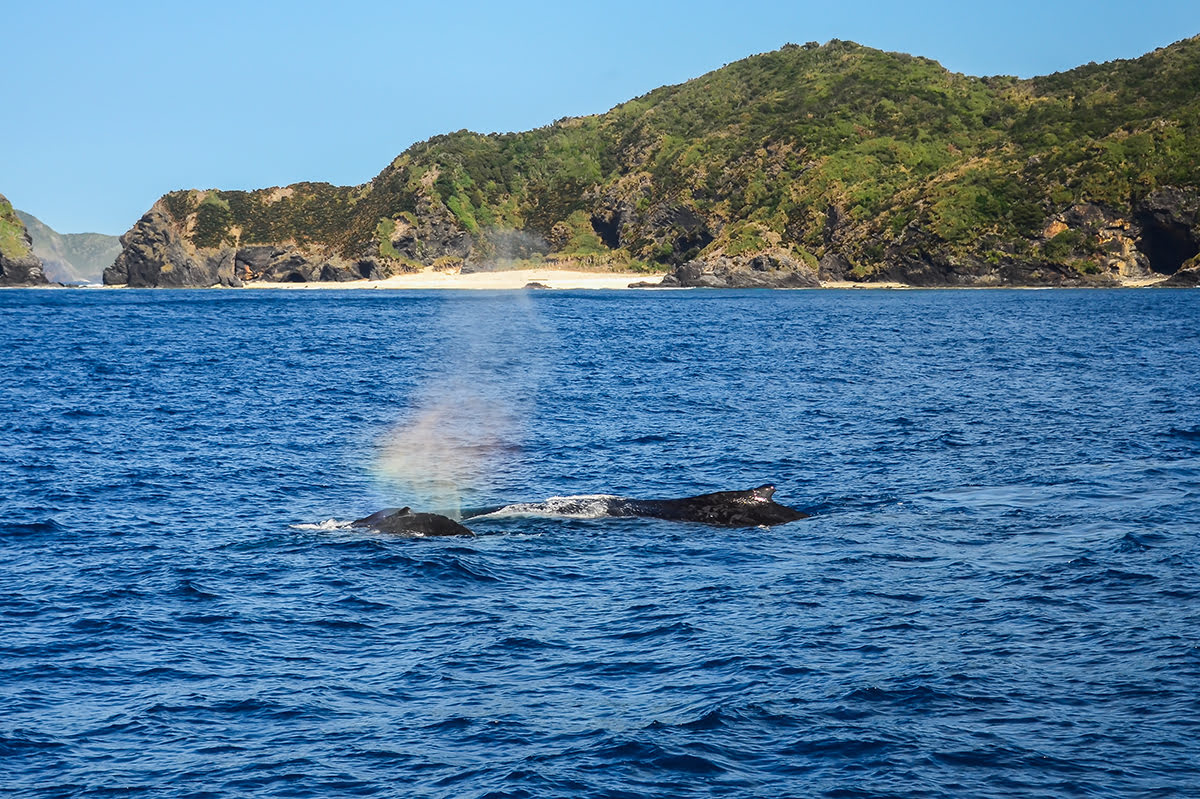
561,279
509,279
847,284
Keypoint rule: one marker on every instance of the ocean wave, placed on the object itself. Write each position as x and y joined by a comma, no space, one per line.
1012,617
328,524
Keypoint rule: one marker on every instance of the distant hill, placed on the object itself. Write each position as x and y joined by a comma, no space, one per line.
18,265
71,257
834,161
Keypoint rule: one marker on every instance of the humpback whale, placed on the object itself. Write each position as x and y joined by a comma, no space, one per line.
402,521
752,508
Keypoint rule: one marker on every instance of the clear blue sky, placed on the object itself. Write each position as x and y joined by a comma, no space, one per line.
109,105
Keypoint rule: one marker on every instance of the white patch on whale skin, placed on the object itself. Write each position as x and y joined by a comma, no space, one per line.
582,506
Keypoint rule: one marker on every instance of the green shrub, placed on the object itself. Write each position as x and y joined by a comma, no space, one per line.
213,220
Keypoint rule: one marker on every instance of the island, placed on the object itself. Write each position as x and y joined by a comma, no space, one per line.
832,164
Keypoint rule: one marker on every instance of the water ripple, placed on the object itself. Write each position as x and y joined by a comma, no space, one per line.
996,595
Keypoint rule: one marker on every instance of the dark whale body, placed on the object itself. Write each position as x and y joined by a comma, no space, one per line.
753,508
402,521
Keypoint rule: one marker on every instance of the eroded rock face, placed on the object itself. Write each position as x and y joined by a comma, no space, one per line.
22,270
284,264
833,267
18,265
1188,277
436,234
156,254
772,270
937,268
1169,229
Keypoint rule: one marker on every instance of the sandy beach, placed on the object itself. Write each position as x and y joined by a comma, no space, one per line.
493,281
516,279
508,280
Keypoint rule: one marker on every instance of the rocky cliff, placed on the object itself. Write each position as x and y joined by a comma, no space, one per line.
18,265
826,162
168,248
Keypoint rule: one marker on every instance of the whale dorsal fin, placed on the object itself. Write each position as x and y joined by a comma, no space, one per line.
764,492
404,510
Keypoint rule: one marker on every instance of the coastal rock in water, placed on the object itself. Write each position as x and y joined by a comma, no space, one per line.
18,265
768,270
1187,277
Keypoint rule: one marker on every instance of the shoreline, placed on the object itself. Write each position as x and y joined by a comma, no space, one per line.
566,279
505,280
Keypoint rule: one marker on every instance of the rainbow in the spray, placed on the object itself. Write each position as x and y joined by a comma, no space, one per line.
470,414
444,450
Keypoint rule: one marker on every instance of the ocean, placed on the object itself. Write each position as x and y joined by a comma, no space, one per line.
997,594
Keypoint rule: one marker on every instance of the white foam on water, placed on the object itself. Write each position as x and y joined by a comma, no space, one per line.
328,524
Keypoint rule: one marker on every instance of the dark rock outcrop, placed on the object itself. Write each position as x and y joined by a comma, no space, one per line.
18,265
1168,223
275,264
917,259
833,267
769,270
157,254
428,234
1188,277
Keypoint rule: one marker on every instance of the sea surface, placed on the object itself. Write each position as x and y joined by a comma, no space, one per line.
997,595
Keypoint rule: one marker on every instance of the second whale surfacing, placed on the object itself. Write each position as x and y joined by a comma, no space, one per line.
755,507
402,521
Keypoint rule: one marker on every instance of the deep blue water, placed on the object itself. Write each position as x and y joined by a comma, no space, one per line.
998,594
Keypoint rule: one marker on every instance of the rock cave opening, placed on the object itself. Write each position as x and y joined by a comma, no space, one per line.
1167,245
689,245
609,230
294,277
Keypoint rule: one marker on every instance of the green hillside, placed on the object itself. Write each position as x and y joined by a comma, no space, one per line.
13,239
874,165
18,264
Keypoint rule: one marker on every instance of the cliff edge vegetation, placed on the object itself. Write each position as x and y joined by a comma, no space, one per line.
18,265
831,162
